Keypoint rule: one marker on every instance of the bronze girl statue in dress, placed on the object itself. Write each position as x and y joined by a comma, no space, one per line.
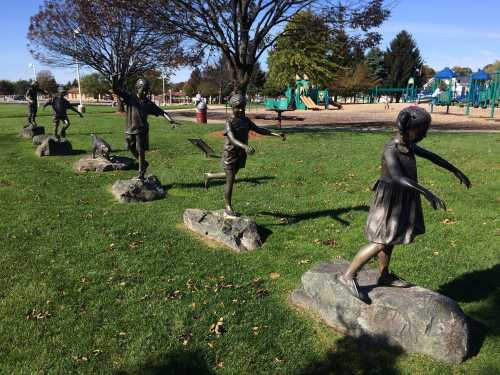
236,148
396,212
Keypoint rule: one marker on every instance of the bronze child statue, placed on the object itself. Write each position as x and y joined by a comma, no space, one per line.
137,128
236,148
60,105
32,98
395,215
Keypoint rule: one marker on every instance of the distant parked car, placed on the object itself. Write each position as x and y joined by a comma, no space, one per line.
19,97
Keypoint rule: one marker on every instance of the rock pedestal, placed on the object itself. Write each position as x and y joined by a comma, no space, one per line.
416,319
30,131
240,233
135,190
115,163
52,145
38,139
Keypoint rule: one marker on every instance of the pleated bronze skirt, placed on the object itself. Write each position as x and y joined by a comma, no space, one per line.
395,215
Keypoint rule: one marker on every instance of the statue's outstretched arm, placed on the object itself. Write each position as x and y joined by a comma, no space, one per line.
439,161
399,178
265,131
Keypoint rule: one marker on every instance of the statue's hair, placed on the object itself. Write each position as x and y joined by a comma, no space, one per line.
413,117
237,99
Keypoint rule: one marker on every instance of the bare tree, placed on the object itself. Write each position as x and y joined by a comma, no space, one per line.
106,35
240,30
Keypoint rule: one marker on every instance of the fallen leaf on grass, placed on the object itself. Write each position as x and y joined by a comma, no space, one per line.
218,327
35,314
274,275
176,294
210,344
134,244
305,261
122,334
220,364
448,221
331,242
262,292
256,282
185,338
255,331
80,358
190,285
435,253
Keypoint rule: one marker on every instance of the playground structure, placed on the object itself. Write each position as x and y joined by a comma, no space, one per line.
482,91
445,90
303,96
407,95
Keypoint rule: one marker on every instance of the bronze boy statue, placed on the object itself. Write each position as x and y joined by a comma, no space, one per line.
396,212
60,105
137,128
32,98
236,148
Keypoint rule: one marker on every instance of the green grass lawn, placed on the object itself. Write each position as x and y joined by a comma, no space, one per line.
89,285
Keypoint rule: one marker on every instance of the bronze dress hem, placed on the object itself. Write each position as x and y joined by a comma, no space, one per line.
396,215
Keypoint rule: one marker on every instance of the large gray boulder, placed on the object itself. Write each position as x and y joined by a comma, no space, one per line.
416,319
37,140
135,190
240,233
30,131
99,164
52,145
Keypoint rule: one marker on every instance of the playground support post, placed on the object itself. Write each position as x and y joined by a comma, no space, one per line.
494,91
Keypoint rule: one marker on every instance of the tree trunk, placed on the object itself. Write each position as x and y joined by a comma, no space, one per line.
120,107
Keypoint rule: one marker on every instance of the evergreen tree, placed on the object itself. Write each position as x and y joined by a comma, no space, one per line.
6,87
402,61
21,86
376,65
302,48
195,79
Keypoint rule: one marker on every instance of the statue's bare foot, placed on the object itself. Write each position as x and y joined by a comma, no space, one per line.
230,213
351,285
390,279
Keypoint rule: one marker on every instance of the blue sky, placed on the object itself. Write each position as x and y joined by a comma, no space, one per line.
447,32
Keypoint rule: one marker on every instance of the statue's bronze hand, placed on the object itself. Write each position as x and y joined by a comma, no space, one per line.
463,179
435,201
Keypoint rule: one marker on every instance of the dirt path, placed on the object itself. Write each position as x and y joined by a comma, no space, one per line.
361,116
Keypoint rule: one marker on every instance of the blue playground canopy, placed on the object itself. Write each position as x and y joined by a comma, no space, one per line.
481,75
446,73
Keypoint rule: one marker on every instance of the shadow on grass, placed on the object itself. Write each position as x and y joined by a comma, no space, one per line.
264,233
180,362
357,356
473,286
78,152
251,180
478,286
289,219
